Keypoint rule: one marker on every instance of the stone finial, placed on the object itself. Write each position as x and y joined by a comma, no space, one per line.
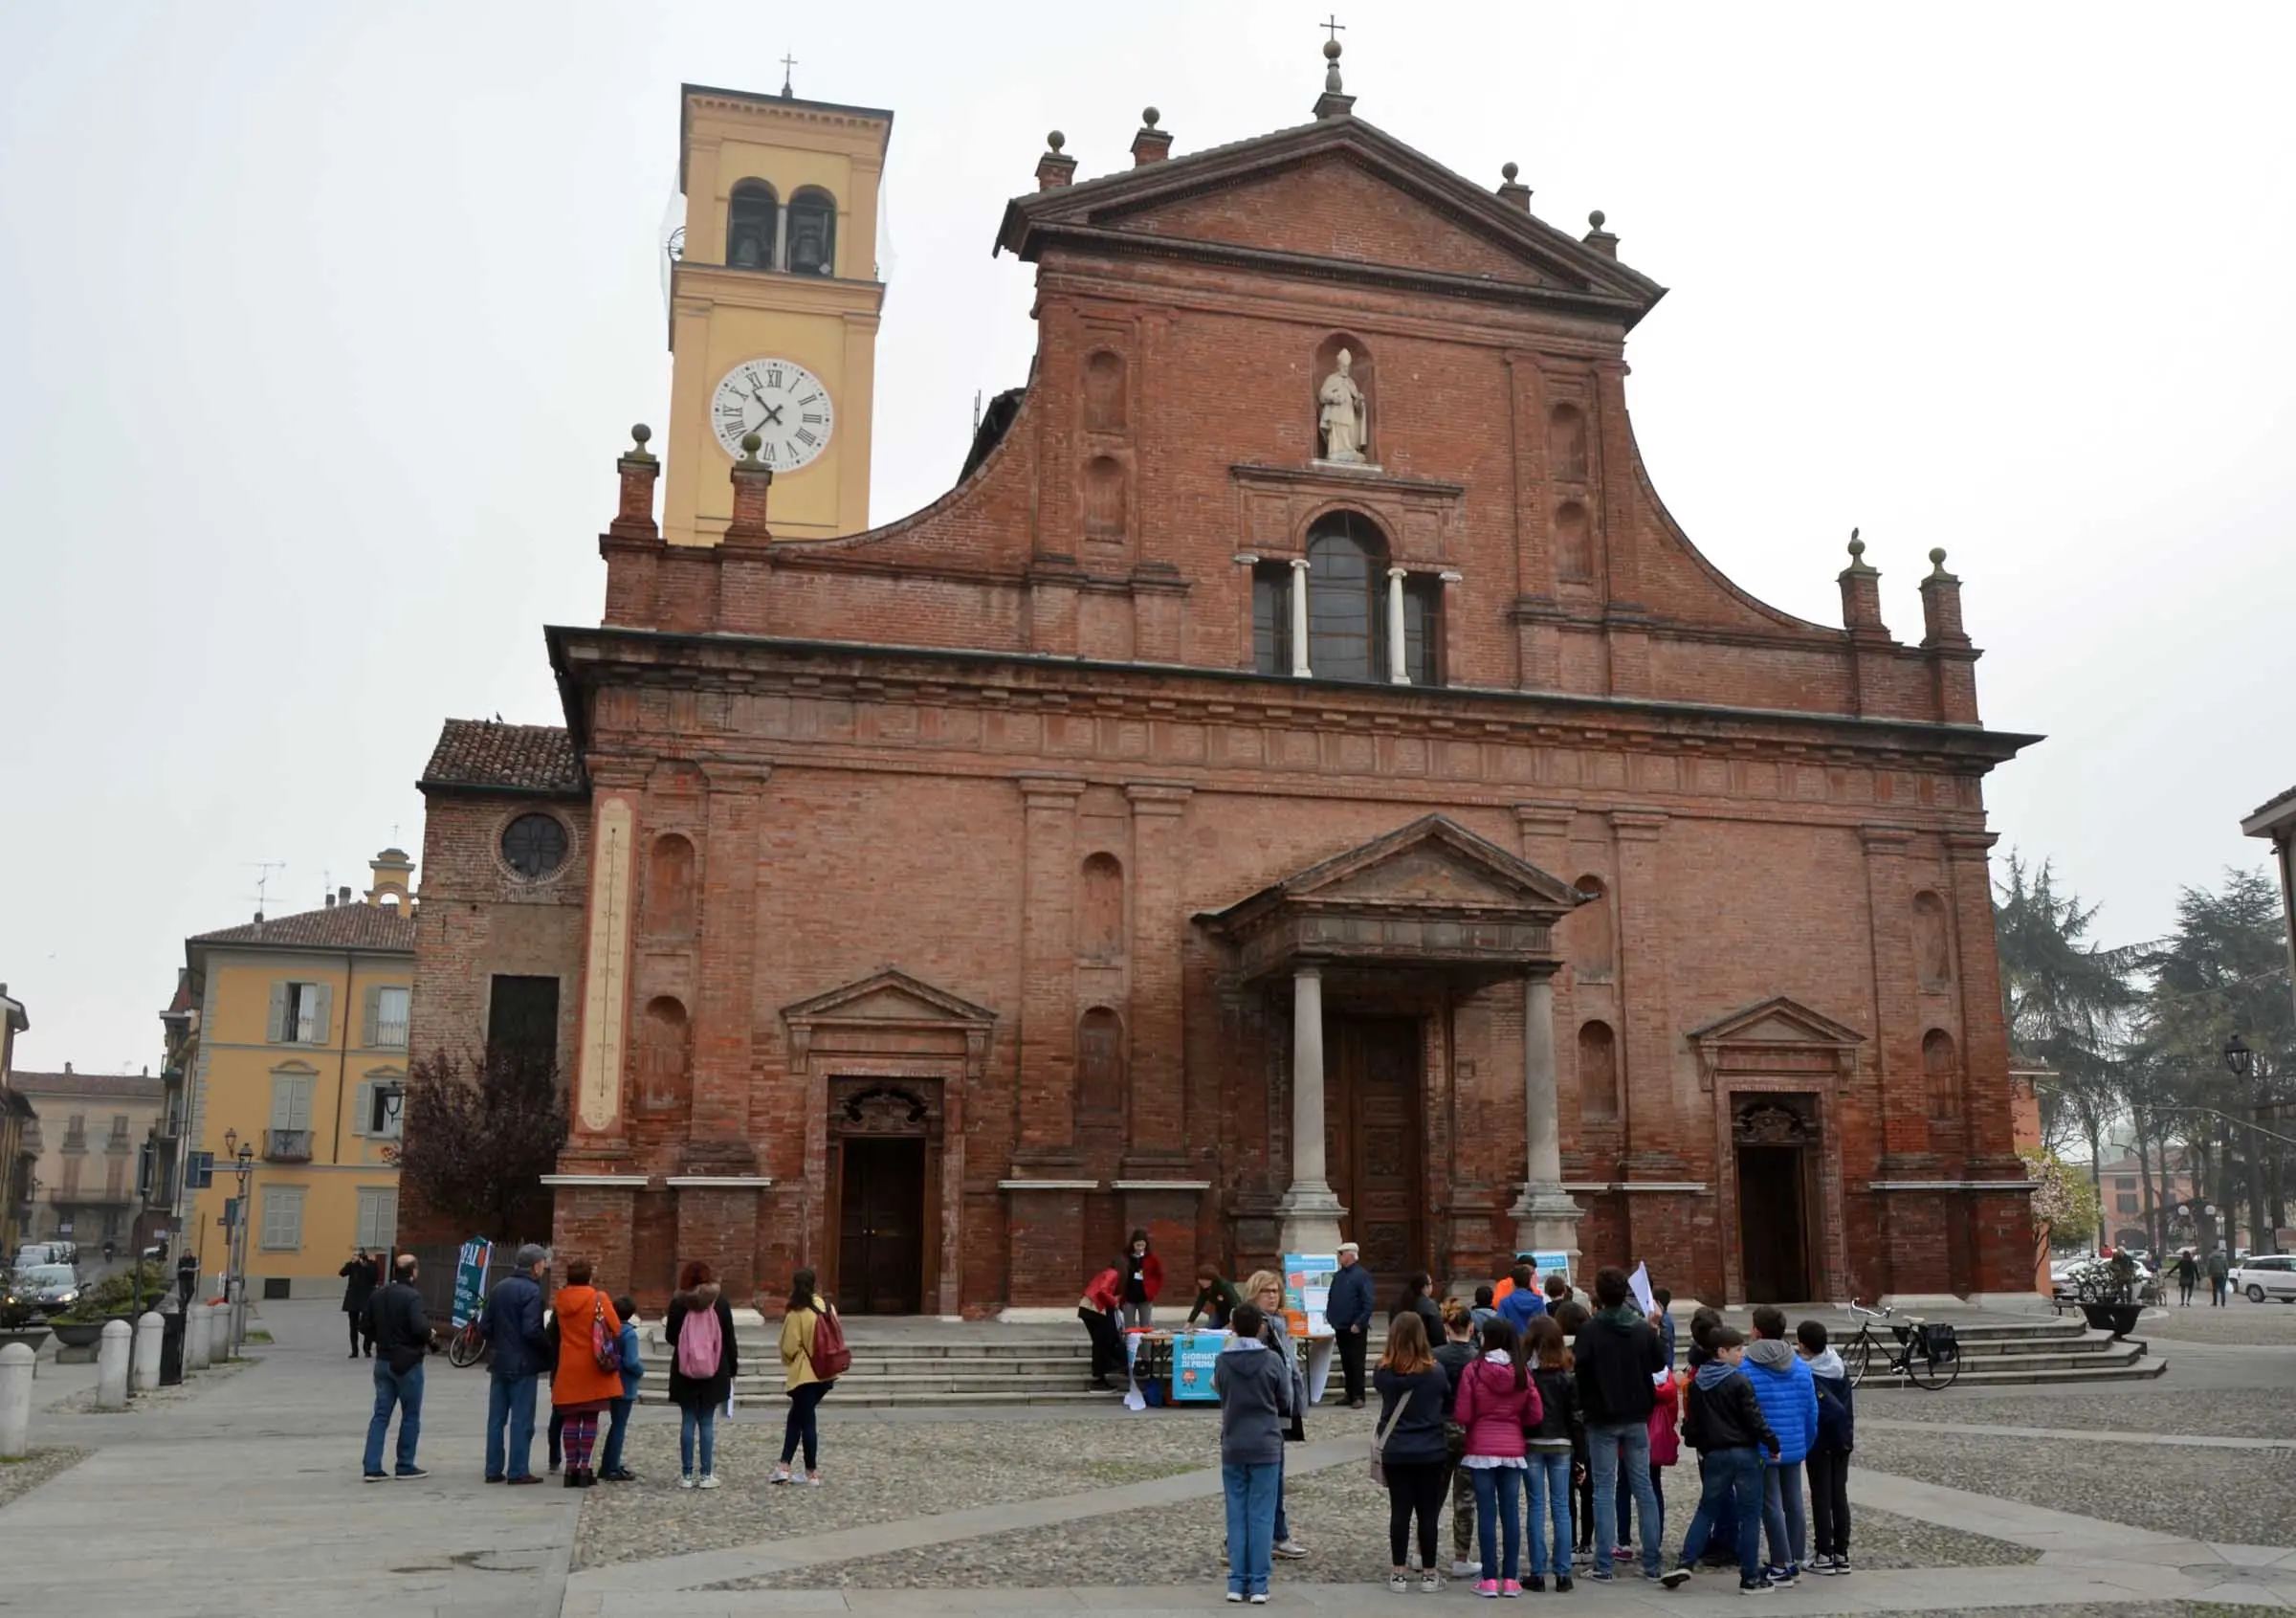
1597,237
1861,592
1151,145
1941,605
1055,168
1937,563
1332,102
1511,190
753,479
633,512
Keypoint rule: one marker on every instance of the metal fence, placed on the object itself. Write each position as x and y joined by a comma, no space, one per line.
435,1263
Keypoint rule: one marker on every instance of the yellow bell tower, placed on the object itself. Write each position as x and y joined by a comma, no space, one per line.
773,300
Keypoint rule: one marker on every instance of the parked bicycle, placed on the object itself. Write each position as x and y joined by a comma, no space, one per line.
1927,1352
466,1348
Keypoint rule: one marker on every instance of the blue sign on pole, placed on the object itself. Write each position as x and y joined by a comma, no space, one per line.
1192,1356
230,1213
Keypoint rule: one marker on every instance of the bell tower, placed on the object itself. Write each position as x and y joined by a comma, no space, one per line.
773,300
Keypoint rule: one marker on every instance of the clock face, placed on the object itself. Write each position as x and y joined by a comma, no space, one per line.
782,403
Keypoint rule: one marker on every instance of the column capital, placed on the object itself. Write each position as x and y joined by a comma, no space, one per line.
1544,820
722,776
1885,840
1049,792
1638,825
1158,797
1397,570
1300,562
1971,844
1306,969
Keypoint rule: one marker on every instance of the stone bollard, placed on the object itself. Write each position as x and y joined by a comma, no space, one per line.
144,1375
15,1401
111,1367
197,1328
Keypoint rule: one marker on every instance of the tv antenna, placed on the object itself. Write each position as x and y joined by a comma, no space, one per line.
263,868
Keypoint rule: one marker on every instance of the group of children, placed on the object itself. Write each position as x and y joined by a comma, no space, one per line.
1537,1397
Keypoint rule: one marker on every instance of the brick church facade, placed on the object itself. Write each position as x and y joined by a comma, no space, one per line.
1275,795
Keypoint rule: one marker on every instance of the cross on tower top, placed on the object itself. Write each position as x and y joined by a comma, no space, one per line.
1335,27
787,62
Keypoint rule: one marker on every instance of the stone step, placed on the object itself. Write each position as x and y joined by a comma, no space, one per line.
2133,1371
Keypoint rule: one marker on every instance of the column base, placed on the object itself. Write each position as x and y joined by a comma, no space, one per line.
1546,1220
1309,1220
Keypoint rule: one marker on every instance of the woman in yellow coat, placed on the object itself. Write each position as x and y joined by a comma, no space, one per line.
579,1389
807,1389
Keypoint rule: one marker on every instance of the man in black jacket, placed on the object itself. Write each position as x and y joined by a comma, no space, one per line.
1616,1355
1722,1419
1348,1310
402,1335
513,1323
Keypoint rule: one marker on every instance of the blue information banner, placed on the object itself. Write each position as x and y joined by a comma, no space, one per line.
1192,1357
470,1280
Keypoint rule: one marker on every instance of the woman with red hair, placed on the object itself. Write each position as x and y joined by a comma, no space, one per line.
702,1367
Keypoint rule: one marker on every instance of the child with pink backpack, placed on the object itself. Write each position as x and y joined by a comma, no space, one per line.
703,1365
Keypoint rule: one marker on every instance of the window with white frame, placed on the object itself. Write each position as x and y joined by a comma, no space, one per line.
291,1100
387,1028
378,1107
301,1012
378,1216
282,1228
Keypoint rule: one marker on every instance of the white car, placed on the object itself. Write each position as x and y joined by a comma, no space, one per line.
2269,1275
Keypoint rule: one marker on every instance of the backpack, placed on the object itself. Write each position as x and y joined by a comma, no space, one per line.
700,1344
830,1356
606,1347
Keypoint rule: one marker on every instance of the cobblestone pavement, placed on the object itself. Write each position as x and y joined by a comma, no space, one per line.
2245,1413
2244,1497
2239,1322
18,1477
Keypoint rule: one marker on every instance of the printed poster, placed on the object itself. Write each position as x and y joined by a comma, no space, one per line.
1552,1264
470,1280
1192,1357
1307,1291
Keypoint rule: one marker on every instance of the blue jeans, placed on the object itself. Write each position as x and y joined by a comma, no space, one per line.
1783,1511
1250,1490
1610,1450
1732,1478
619,1411
690,1422
1283,1520
404,1389
510,1402
1498,1520
1548,1488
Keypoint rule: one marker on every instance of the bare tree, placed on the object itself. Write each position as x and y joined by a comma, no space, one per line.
479,1137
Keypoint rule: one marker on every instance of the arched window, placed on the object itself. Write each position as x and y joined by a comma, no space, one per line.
1099,1067
1100,908
749,226
1104,499
1592,933
1347,575
1104,392
1574,544
1566,443
1597,1073
669,887
1941,1074
1933,952
812,233
664,1085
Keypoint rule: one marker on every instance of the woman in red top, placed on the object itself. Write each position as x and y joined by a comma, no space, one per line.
580,1388
1497,1402
1097,1310
1139,1278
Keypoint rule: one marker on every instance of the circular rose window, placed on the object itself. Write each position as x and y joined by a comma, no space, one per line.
534,845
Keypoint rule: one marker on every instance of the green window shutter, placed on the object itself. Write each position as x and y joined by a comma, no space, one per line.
278,1030
282,1100
302,1104
323,1014
371,1016
363,1104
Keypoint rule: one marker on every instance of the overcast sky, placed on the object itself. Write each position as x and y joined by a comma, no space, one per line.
321,327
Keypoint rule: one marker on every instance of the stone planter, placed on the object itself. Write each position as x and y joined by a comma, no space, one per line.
30,1337
2118,1319
78,1334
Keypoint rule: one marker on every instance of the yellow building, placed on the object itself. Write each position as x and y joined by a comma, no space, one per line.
773,300
300,1059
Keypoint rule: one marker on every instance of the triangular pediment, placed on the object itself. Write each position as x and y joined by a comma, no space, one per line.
1333,193
887,995
1433,862
1775,1022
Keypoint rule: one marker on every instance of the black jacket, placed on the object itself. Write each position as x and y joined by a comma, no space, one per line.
1723,1413
700,1393
1349,1303
1416,1432
395,1319
358,1283
1616,1361
1454,1358
1429,1313
1561,1421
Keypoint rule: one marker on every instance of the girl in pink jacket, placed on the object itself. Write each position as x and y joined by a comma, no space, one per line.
1497,1403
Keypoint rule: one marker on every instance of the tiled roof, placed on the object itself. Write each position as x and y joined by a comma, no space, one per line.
514,758
2271,804
342,926
92,1086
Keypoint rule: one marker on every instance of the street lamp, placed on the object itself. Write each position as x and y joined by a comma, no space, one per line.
243,1164
2241,1061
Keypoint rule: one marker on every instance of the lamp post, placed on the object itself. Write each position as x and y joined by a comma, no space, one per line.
243,1164
2241,1062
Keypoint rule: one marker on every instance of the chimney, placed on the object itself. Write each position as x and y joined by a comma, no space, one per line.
342,896
1941,605
330,899
67,1067
1053,169
1861,592
633,518
1510,192
1151,145
752,478
1599,239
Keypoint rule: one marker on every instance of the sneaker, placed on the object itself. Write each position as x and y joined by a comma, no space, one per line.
1755,1586
1674,1577
813,1479
1842,1565
1537,1584
1509,1588
1622,1552
1466,1569
1488,1588
413,1472
1563,1585
378,1478
1398,1583
1602,1575
709,1480
1290,1550
779,1474
1257,1598
1431,1585
1236,1596
687,1481
1785,1577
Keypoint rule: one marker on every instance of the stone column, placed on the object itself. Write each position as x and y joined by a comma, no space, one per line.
1546,1216
1310,1210
1299,618
1399,670
15,1401
198,1329
144,1371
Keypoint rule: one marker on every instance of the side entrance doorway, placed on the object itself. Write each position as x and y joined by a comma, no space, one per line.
1777,1150
1372,1132
881,1225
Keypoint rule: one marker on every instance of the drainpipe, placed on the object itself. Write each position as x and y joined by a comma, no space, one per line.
342,1062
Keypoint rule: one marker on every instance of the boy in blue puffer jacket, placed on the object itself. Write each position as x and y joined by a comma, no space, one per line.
612,1469
1829,1456
1789,1400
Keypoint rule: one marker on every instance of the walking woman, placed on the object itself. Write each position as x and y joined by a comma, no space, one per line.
360,1278
807,1389
1265,1291
1411,1387
582,1389
703,1363
1497,1405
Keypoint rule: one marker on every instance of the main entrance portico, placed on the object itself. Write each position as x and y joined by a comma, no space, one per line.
1416,918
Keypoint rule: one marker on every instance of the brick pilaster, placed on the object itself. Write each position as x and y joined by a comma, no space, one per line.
1048,1077
1158,816
1650,1114
724,1021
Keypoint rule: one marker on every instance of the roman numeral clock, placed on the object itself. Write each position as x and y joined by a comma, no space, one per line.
785,405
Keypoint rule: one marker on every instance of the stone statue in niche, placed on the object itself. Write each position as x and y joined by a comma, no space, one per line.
1342,415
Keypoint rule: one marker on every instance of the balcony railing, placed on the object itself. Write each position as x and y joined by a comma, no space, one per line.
287,1145
85,1196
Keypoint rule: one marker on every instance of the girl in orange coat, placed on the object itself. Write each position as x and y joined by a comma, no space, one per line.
580,1390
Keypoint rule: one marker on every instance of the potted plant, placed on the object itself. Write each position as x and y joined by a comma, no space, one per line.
2108,1292
81,1325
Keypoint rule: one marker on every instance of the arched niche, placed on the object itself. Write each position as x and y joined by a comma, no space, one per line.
1932,943
1597,1073
1099,1069
812,233
1574,544
1104,402
1566,443
1363,370
1593,933
1100,908
1941,1075
1104,499
669,911
665,1059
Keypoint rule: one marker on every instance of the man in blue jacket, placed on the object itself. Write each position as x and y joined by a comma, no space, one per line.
513,1323
1349,1310
1519,1307
1789,1400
